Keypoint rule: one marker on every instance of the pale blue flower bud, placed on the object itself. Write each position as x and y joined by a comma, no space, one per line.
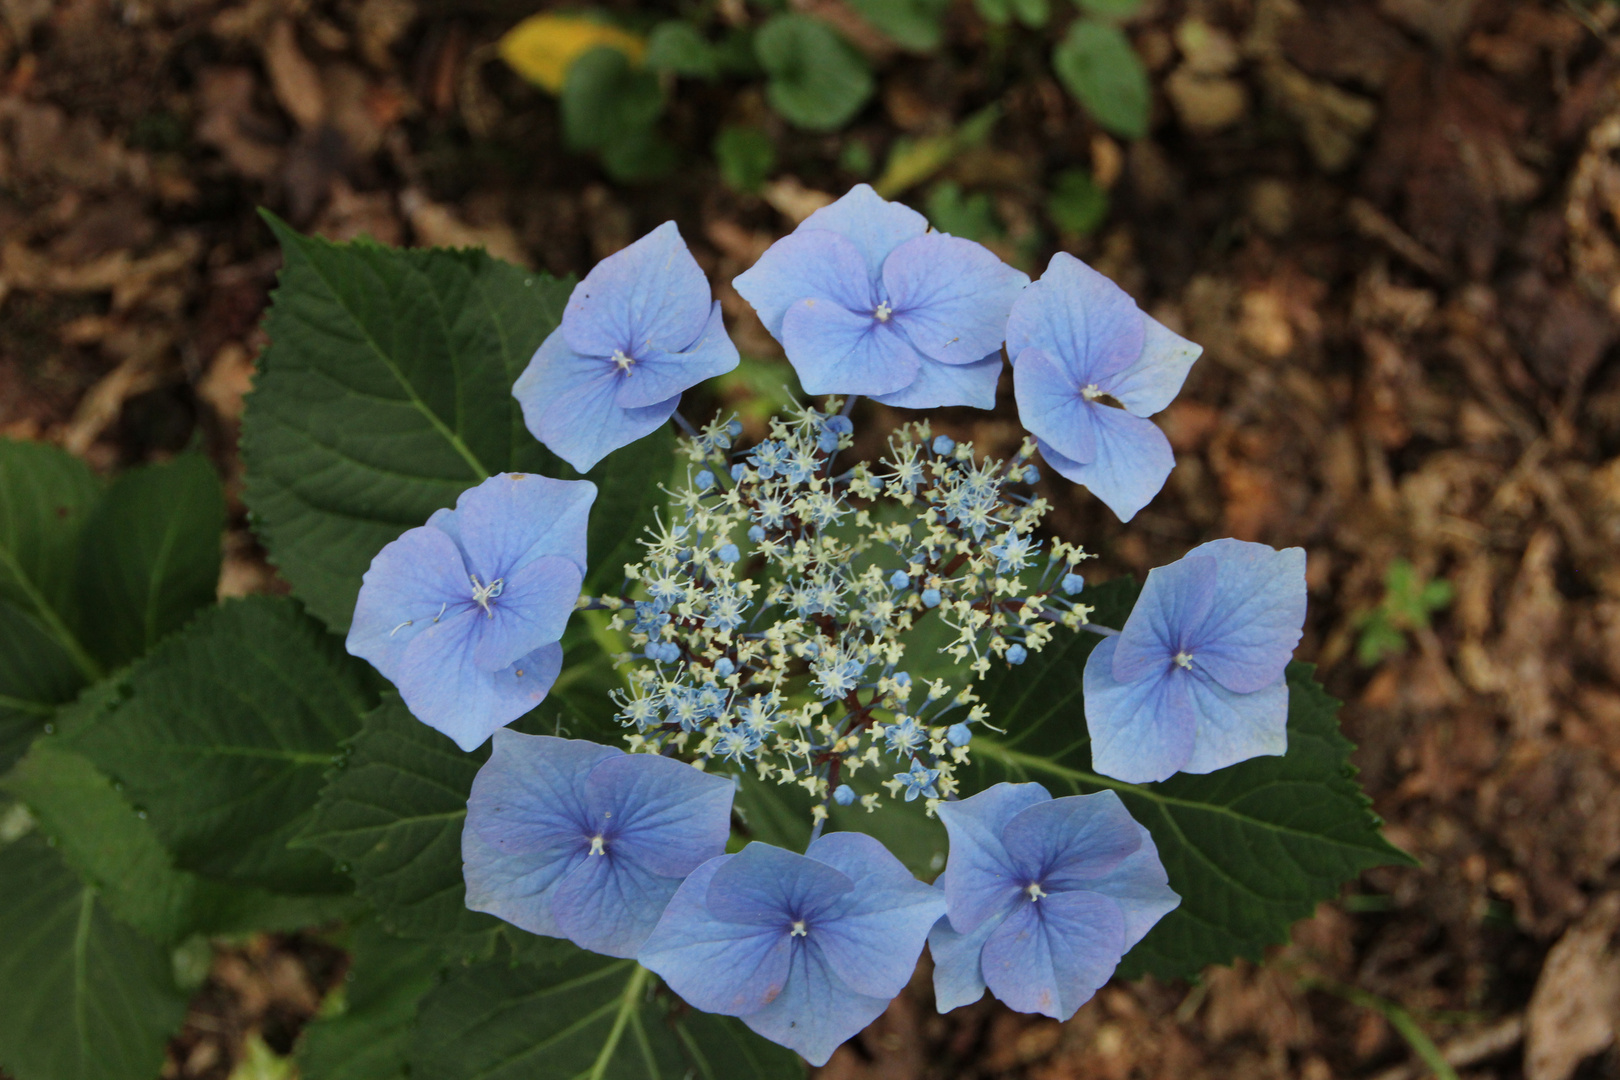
734,428
724,667
1016,654
1073,583
899,580
728,554
737,471
704,480
944,444
756,534
843,795
930,597
958,735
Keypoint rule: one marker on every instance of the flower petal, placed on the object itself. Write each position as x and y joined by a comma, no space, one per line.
1050,956
658,375
838,351
816,1012
662,813
1078,317
765,885
872,223
718,966
808,263
515,888
951,296
1236,727
1257,614
1141,731
569,404
1070,840
1155,377
513,518
980,879
535,603
1175,601
939,386
1140,886
958,975
609,904
411,584
1052,408
873,936
650,295
1133,461
445,689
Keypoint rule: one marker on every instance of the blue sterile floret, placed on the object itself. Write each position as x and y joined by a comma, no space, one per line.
865,299
464,614
641,328
1195,681
570,839
806,949
1077,343
1044,896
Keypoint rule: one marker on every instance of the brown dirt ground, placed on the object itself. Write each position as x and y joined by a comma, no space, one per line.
1394,225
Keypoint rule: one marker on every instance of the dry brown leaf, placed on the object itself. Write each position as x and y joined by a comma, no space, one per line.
436,225
294,80
1573,1010
793,200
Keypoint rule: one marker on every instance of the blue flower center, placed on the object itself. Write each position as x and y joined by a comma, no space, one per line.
882,312
1034,891
799,929
622,362
1091,392
598,845
1183,659
482,594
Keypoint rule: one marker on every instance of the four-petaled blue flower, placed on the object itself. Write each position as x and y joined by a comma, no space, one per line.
1076,340
463,614
1195,681
1044,897
571,839
806,949
865,299
637,331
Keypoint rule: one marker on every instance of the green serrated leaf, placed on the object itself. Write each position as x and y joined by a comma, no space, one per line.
816,80
224,735
387,391
46,496
581,1017
114,850
36,676
82,996
393,815
918,25
1097,64
370,1038
149,557
1250,848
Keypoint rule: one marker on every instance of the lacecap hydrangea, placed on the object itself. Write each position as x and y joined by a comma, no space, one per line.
801,618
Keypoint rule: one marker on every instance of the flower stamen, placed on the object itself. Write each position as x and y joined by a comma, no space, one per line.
1034,890
623,362
799,929
483,594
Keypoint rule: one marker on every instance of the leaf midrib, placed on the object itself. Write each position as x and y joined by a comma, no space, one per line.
51,617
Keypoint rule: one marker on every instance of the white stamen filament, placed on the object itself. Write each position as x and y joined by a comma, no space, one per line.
483,594
402,626
799,929
625,363
1035,891
1184,660
598,846
1091,392
882,312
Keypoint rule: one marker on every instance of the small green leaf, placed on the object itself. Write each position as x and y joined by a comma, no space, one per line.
101,837
918,25
746,156
580,1016
150,556
224,734
46,496
1032,13
36,676
605,99
816,81
1076,203
911,161
1250,848
677,46
967,216
638,156
1111,9
387,391
1097,64
393,814
369,1039
82,996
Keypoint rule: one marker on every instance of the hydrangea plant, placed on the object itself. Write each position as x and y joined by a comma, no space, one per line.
653,753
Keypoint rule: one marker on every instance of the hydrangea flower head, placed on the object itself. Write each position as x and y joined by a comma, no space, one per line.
637,331
806,949
865,299
1195,680
463,614
571,839
1044,897
1077,340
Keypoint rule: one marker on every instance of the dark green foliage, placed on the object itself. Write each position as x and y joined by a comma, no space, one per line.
82,996
1097,64
1076,203
1250,848
369,1038
918,25
745,155
816,81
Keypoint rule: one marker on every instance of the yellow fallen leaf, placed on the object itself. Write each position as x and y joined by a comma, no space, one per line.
542,48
